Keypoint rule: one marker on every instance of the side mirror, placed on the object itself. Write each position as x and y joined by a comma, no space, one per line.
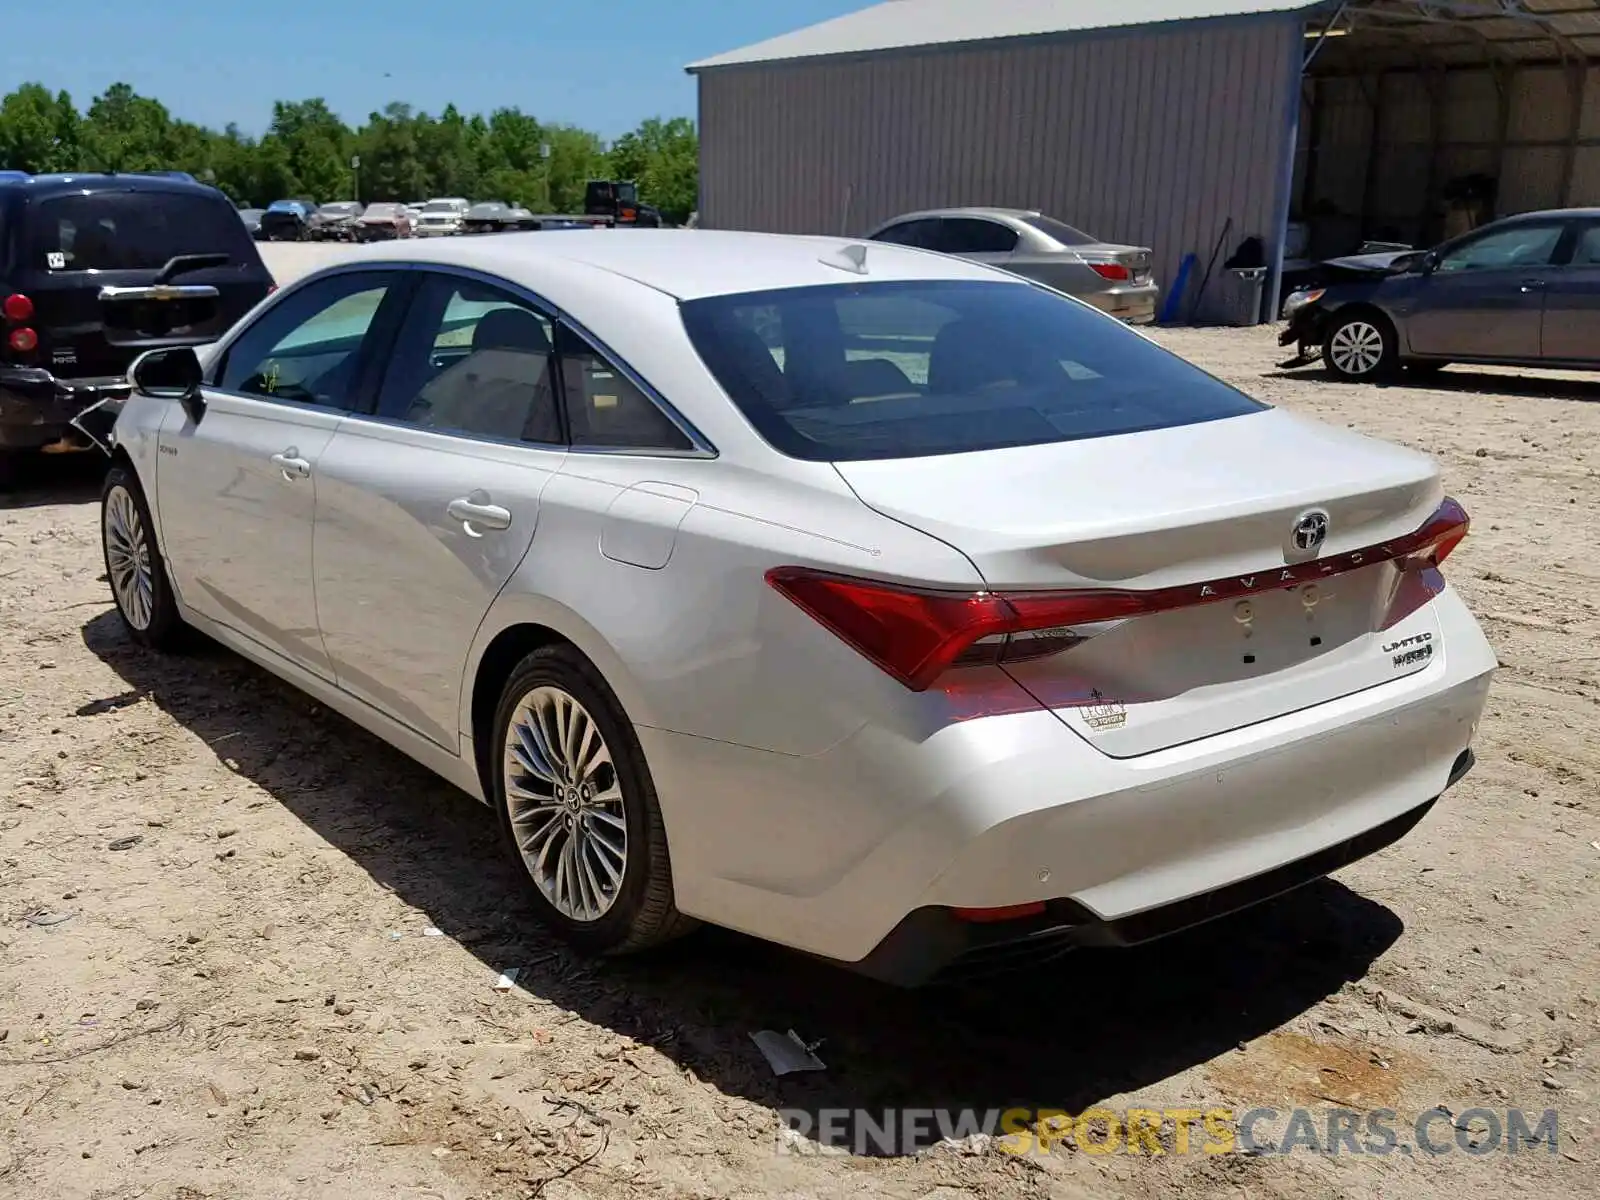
172,373
1429,262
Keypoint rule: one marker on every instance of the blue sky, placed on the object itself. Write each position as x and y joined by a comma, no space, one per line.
605,66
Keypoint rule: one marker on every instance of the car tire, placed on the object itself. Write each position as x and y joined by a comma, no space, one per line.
573,807
1361,347
140,586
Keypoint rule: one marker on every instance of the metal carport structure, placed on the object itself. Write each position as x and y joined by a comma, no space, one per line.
1157,122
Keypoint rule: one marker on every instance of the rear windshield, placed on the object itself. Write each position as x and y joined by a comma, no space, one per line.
1061,231
848,372
128,231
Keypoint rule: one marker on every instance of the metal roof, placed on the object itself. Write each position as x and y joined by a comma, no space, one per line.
1447,32
902,24
1412,33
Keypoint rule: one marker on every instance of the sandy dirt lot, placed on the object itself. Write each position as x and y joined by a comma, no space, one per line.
219,975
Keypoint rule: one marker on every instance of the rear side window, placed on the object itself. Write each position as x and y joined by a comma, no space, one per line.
849,372
973,235
605,409
130,231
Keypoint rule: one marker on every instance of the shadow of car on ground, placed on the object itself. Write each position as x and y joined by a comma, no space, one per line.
1060,1035
1464,379
37,480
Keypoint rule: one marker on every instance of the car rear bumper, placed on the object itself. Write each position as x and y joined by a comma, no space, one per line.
863,854
37,409
1135,305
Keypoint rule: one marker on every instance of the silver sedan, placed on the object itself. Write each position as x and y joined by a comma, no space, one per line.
1114,278
876,602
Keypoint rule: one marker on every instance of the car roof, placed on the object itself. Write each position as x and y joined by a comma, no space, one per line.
1565,214
1009,214
685,264
92,181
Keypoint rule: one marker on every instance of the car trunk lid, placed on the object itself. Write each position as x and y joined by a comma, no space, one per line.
1120,264
1208,514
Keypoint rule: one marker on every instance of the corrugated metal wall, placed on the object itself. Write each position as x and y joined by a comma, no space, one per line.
1429,130
1154,138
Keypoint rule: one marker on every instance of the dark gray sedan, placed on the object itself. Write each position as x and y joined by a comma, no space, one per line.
1523,291
1114,278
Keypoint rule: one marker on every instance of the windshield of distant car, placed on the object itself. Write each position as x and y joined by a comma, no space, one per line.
1060,231
340,208
846,372
438,206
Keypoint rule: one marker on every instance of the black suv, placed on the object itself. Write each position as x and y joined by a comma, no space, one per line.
96,269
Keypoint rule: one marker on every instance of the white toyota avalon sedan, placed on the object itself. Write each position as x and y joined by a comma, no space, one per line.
872,601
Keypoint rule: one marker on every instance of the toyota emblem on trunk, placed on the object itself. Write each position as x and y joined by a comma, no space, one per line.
1310,530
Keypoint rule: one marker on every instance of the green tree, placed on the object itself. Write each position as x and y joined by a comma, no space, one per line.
405,155
39,132
124,131
663,158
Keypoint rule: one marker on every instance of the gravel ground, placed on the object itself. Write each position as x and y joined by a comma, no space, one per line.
219,976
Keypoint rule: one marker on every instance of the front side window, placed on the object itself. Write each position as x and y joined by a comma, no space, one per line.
847,372
1519,246
307,348
920,234
605,409
473,359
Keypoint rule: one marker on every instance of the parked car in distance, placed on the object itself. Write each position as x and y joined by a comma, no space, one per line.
1517,292
383,221
880,603
443,217
286,221
337,221
1115,279
95,269
487,216
619,200
252,220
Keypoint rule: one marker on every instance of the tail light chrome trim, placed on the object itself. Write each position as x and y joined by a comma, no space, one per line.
916,634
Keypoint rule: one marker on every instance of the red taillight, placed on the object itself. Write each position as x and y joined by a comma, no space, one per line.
1113,271
916,634
24,340
17,308
628,214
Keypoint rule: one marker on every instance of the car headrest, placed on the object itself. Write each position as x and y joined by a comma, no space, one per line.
511,329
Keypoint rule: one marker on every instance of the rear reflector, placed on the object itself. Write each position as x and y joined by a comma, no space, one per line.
24,340
916,634
1113,271
1010,912
17,308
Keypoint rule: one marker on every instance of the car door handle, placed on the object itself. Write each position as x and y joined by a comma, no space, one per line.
292,465
475,511
1533,285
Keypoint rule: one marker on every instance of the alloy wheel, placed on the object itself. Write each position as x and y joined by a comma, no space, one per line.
565,803
1357,347
128,559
